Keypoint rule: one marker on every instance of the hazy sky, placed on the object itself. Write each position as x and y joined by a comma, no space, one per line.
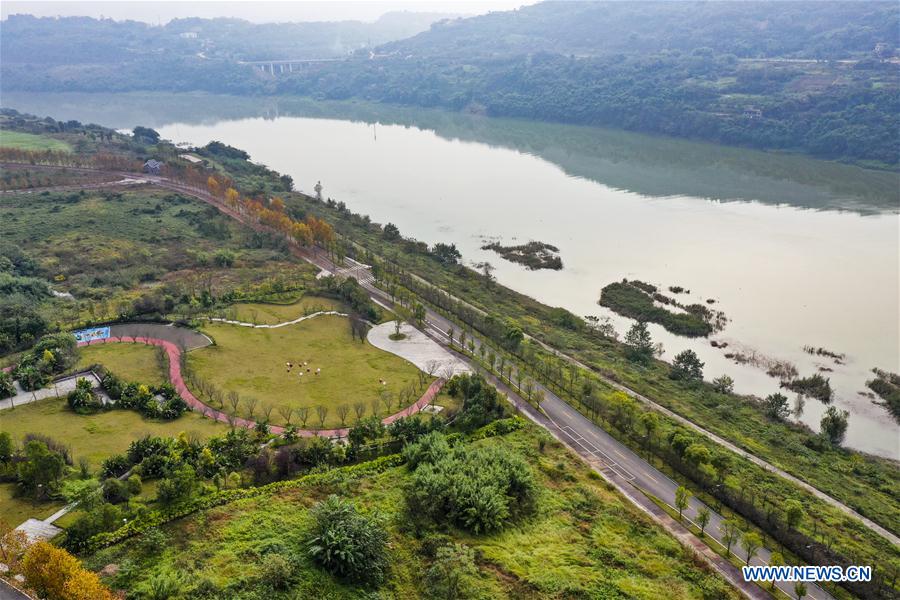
258,12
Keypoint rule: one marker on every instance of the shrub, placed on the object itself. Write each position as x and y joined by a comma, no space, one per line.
478,489
6,385
452,573
346,543
114,466
276,572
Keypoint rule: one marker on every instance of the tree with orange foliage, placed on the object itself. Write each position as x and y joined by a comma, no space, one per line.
232,197
212,185
302,234
57,575
85,585
13,543
277,204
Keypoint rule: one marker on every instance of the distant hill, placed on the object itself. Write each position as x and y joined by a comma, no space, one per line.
808,29
82,40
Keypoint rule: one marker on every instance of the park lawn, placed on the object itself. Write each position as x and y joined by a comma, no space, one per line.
584,541
252,361
131,362
261,313
14,511
97,436
30,141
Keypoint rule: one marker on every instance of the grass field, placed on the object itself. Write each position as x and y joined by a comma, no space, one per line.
251,362
271,314
131,362
29,141
98,436
16,510
585,541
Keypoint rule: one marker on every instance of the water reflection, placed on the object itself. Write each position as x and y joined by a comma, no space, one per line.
646,165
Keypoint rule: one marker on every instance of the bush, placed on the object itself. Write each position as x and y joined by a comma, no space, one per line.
114,466
276,572
478,489
6,385
346,543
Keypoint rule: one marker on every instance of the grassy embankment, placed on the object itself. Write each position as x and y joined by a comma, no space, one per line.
30,141
584,541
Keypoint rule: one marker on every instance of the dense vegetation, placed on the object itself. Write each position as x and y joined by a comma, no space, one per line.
586,541
534,255
636,299
813,77
887,386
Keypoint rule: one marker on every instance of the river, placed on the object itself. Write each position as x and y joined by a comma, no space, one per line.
795,251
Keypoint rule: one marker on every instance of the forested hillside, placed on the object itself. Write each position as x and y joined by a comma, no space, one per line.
818,30
751,74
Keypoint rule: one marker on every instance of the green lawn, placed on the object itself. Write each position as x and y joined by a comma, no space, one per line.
251,362
131,362
15,510
29,141
584,541
270,314
98,436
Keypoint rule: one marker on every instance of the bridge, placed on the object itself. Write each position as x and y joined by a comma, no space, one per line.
286,65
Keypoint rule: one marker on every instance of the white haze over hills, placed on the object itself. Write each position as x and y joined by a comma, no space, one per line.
161,12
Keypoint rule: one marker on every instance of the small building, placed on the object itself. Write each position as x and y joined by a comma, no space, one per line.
153,167
752,113
191,158
189,35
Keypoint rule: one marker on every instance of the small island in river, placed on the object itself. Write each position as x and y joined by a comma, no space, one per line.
534,255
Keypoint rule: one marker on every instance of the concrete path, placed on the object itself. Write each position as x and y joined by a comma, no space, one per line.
58,389
283,324
418,349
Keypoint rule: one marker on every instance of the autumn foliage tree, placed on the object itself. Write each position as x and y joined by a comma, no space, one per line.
57,575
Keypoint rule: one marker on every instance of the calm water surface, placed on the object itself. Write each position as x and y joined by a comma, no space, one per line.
796,252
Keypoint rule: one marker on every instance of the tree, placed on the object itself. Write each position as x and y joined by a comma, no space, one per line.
703,516
13,543
39,474
57,575
639,344
834,425
359,408
731,532
390,232
451,574
322,413
776,406
800,590
686,367
145,135
303,415
793,513
286,413
751,543
343,410
347,543
178,486
446,254
776,560
723,384
650,422
682,499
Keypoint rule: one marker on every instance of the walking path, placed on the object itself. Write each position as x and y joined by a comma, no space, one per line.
283,324
173,353
59,389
